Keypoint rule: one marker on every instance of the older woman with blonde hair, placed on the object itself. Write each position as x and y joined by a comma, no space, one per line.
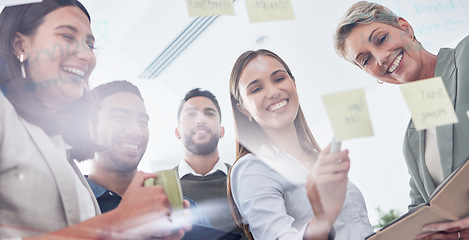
383,44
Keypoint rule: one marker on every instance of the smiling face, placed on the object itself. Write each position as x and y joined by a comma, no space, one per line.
199,126
386,52
59,56
123,129
268,93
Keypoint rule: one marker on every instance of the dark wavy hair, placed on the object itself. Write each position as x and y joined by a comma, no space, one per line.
72,122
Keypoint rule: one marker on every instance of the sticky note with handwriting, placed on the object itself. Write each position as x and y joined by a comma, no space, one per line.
348,114
429,103
269,10
17,2
201,8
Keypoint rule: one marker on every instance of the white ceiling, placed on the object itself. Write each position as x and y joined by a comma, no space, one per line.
131,34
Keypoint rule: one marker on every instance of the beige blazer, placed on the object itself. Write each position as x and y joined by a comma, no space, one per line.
37,192
453,140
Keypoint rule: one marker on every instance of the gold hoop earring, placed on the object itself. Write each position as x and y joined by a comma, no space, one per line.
23,71
379,82
413,38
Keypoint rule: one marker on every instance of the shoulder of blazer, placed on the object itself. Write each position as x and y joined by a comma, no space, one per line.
56,161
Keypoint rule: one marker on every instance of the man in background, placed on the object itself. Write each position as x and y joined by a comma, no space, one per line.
203,174
121,128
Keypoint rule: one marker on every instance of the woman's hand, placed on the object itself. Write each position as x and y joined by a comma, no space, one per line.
149,212
449,230
326,184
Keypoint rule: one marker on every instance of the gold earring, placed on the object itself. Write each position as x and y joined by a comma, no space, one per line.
23,71
413,38
379,82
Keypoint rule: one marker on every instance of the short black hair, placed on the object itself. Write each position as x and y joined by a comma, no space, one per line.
104,90
197,92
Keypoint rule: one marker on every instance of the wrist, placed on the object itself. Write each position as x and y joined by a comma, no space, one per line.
319,228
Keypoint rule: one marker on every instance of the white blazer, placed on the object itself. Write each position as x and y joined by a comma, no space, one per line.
38,192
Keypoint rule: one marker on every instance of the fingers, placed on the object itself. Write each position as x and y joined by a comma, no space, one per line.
326,158
447,226
343,166
137,180
440,236
327,150
186,203
449,230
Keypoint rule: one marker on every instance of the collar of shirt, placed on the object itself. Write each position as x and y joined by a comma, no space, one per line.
185,169
283,163
97,189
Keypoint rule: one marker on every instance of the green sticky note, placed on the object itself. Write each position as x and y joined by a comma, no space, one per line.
201,8
429,103
348,114
269,10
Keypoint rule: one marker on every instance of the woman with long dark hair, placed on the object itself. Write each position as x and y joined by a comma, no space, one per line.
46,52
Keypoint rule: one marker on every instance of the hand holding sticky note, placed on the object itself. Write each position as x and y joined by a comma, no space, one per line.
429,103
348,114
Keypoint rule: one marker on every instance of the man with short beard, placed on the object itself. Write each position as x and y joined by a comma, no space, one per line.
121,128
203,174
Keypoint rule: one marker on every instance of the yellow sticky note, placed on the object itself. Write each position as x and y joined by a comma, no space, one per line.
429,103
348,114
269,10
201,8
467,114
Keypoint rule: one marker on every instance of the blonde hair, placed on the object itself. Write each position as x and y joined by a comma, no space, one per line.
362,12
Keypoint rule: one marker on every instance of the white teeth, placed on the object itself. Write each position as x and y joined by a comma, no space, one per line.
129,146
76,71
200,131
395,64
277,106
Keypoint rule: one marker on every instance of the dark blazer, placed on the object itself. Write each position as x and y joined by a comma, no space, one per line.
37,189
453,140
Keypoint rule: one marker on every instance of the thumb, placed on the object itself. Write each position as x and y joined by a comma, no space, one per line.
139,178
315,200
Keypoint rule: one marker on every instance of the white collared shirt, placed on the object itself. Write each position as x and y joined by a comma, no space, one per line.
277,207
432,156
185,169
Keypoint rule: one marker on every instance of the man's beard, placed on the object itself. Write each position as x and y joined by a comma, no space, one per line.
202,148
115,163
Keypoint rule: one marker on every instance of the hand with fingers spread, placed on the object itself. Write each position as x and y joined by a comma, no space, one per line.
326,187
448,230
